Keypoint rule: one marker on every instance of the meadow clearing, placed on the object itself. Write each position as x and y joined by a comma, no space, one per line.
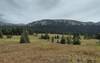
44,51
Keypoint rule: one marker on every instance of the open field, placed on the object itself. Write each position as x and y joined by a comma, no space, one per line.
43,51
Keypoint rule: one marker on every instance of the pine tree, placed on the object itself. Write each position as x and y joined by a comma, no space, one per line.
98,37
46,36
76,39
1,34
24,37
52,39
69,41
76,35
63,41
57,36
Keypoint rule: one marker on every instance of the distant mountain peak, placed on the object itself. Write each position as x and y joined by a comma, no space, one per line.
61,21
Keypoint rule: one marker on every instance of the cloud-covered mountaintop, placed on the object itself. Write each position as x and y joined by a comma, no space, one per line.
24,11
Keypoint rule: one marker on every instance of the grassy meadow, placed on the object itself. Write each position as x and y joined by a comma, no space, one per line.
44,51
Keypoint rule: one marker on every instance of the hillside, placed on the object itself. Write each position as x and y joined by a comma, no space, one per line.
54,26
61,22
61,25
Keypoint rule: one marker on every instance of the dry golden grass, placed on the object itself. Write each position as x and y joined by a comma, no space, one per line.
43,51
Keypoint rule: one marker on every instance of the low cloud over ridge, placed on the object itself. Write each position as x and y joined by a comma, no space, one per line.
24,11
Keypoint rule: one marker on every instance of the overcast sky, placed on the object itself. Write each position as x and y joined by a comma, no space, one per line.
25,11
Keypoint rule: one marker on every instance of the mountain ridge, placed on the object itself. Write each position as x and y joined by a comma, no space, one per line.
54,21
66,21
59,26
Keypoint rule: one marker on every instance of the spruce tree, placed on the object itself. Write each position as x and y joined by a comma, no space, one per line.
24,37
1,34
69,41
76,42
63,41
76,35
52,39
57,36
76,39
46,36
98,37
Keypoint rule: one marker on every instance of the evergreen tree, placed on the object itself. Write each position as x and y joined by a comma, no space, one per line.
69,41
76,35
57,36
76,41
24,37
98,37
1,34
46,36
63,41
52,39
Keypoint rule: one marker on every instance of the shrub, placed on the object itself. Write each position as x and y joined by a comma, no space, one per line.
57,37
41,37
9,36
45,36
35,34
57,41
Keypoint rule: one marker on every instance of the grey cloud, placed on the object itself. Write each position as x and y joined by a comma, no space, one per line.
24,11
